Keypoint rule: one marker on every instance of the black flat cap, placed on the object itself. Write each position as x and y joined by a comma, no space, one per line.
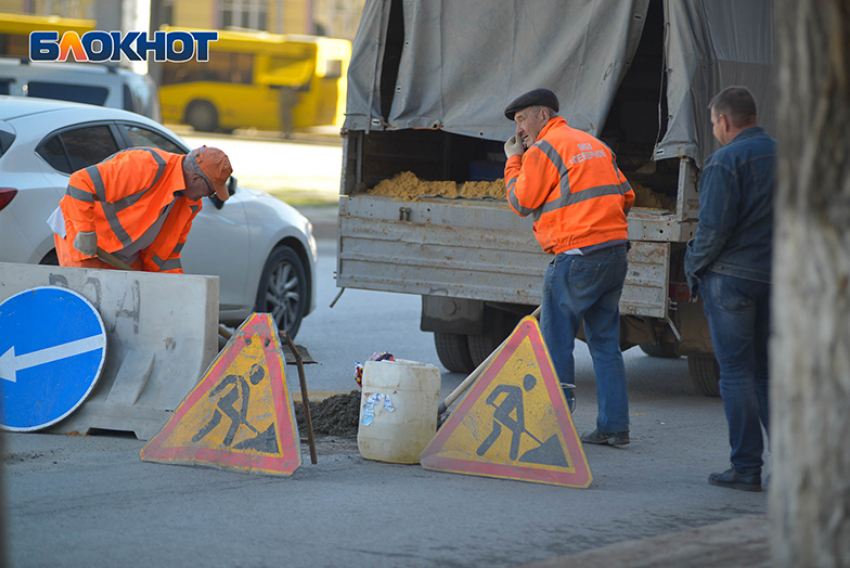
537,97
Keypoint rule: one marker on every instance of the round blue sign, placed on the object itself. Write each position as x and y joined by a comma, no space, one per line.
52,350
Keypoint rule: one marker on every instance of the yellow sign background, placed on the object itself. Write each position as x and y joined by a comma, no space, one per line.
540,419
260,410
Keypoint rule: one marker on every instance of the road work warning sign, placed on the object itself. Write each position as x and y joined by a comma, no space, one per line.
240,415
514,422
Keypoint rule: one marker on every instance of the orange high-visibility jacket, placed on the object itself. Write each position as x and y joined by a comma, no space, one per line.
571,183
121,197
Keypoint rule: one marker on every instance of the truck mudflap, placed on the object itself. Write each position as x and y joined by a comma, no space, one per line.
472,249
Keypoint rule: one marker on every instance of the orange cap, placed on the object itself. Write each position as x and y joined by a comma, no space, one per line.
216,166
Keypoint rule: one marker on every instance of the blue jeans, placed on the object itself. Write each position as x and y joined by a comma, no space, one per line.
589,288
738,312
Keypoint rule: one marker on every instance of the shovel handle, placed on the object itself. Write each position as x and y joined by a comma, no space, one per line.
112,261
305,397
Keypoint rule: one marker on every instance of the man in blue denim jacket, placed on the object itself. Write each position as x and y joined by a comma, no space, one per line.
729,262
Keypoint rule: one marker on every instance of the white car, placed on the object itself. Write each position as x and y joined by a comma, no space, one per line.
262,249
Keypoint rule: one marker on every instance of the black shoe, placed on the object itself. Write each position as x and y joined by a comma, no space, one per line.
570,396
613,439
731,479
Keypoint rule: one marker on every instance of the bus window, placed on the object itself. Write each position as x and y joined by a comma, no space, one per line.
333,69
234,68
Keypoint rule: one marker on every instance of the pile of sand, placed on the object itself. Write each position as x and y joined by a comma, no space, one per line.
474,189
407,186
648,199
334,416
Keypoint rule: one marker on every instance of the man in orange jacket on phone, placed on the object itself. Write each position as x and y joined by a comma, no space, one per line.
570,182
137,205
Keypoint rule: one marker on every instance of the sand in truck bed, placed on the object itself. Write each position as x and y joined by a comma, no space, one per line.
408,186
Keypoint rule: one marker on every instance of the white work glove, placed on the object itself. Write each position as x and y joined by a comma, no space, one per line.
86,243
514,147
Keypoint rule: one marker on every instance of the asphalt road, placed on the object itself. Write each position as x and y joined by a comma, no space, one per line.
89,501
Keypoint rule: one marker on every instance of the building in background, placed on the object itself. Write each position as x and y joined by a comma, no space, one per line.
337,18
80,9
331,18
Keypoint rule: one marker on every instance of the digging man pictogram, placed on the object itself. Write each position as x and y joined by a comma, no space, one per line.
225,404
502,416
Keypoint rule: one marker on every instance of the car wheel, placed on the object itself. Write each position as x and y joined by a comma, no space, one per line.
453,351
202,116
283,290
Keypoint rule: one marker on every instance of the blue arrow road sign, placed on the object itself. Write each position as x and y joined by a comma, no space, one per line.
52,350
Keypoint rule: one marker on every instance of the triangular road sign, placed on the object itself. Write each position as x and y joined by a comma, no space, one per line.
514,422
240,416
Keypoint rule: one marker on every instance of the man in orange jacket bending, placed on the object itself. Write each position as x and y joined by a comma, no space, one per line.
570,182
138,205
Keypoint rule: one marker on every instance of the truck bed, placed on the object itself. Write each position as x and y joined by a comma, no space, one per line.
480,249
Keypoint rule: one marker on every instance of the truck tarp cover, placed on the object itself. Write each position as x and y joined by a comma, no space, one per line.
462,62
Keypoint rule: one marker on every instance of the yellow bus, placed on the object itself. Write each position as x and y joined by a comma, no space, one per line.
15,30
259,80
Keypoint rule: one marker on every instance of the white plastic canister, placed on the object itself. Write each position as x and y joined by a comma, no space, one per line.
398,410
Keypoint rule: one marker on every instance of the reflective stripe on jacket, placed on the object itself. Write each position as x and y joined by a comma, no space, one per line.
121,197
570,182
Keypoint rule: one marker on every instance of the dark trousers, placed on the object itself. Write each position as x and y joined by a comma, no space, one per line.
738,312
588,288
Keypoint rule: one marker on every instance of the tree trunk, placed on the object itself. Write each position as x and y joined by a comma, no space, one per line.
810,345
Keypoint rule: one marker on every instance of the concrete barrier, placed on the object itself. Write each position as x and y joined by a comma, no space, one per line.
161,337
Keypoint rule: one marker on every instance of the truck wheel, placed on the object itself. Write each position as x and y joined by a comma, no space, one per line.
498,325
453,351
480,346
705,374
202,116
664,351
